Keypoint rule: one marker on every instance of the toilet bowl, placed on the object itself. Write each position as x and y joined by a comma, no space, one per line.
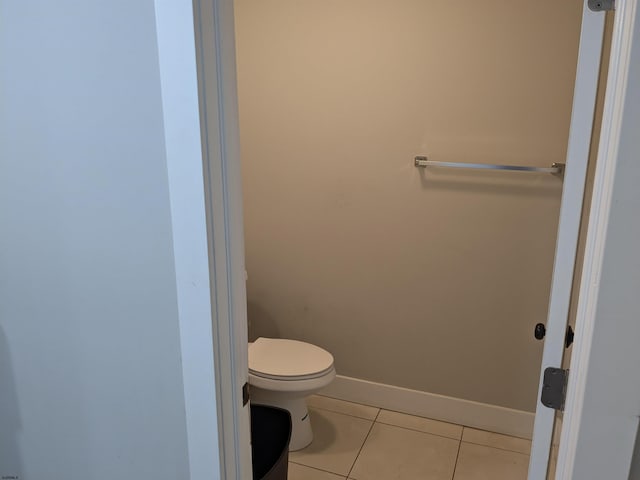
282,373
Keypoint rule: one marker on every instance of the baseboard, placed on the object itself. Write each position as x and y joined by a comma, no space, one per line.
439,407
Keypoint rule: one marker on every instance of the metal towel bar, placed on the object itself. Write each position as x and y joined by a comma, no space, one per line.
555,168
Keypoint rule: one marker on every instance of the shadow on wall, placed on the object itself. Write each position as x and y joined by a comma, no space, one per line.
10,461
261,323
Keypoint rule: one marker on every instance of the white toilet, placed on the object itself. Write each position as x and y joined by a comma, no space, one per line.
282,373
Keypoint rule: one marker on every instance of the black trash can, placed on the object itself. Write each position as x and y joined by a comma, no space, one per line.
270,436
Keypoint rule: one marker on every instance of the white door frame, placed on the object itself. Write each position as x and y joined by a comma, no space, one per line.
197,72
601,419
215,50
579,143
181,118
215,28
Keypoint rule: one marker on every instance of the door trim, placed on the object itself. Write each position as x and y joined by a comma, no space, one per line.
579,144
215,52
624,24
181,121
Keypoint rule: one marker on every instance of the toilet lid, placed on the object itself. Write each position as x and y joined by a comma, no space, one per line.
276,357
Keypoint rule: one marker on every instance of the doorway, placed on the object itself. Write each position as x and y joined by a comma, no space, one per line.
343,196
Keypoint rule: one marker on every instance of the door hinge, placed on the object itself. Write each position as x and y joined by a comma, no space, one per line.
554,388
601,5
245,394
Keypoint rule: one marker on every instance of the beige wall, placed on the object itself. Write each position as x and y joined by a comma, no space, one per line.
426,280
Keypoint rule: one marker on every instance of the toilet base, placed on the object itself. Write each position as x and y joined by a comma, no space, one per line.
301,433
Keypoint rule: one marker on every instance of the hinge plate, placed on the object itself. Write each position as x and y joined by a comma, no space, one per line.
554,388
245,394
601,5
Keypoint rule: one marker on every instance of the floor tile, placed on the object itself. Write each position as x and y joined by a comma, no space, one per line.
478,462
337,441
420,423
340,406
496,440
400,454
300,472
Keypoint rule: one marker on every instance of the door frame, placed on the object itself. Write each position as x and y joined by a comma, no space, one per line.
217,87
214,25
610,403
581,132
199,103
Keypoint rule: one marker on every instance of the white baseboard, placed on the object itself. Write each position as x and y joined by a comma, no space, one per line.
439,407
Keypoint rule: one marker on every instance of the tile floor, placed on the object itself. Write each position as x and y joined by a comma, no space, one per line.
358,442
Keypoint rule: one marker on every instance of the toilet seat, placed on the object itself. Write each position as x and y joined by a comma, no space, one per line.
291,378
288,360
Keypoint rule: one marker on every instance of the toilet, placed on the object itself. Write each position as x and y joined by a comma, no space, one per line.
282,373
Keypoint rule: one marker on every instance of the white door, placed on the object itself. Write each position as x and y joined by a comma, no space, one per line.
591,40
602,416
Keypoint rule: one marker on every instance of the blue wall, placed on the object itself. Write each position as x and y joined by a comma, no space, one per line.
90,368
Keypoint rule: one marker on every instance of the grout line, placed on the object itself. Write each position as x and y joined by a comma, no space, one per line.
363,443
421,431
496,433
316,468
418,416
459,439
493,446
375,419
497,448
342,413
380,409
455,465
347,401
